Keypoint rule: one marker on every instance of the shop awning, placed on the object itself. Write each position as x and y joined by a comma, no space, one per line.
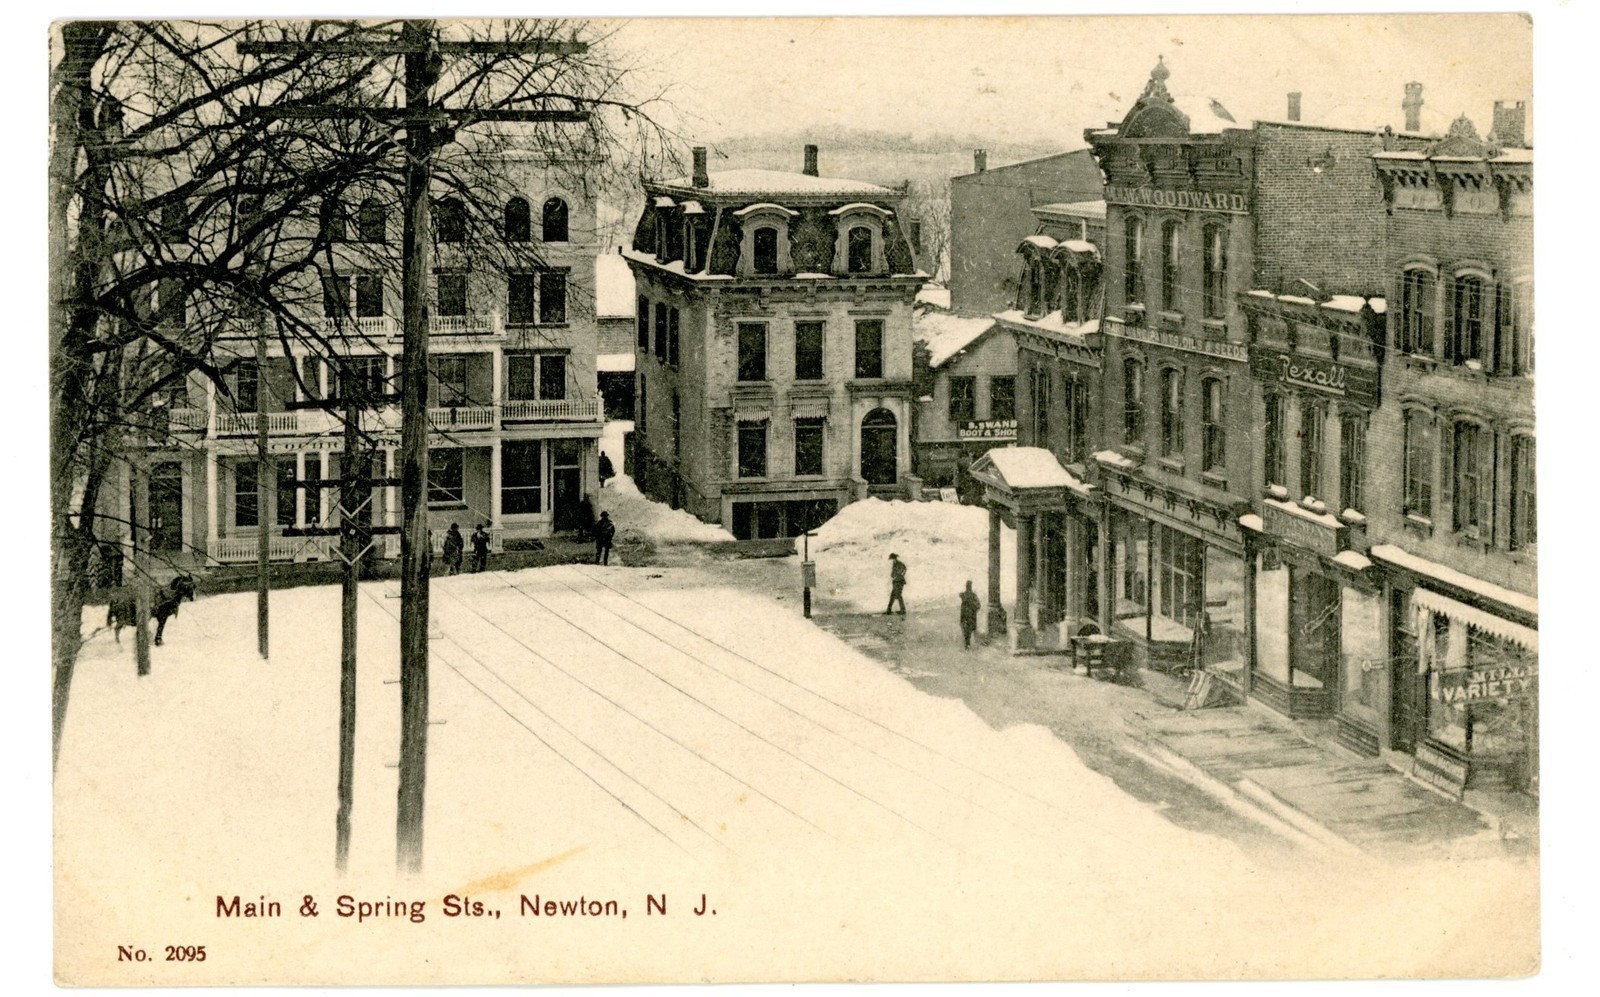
1449,577
1518,634
1019,469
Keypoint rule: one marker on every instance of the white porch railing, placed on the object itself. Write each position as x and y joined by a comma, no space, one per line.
233,550
244,423
465,325
373,325
391,543
191,419
552,410
473,417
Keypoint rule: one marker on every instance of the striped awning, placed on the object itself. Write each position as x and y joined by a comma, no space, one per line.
1516,633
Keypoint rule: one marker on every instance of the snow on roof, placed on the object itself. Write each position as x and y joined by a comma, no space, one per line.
765,206
1080,246
610,363
1251,521
1352,560
613,286
1042,241
1345,302
758,182
947,335
1031,467
935,296
1294,509
1401,558
1080,209
1112,458
1475,617
862,206
1050,323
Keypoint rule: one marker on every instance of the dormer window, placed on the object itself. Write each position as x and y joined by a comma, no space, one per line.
859,245
859,248
766,240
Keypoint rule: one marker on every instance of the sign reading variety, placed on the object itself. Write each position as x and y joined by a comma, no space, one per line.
1460,686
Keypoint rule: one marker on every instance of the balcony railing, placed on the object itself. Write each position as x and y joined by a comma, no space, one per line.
234,550
373,326
461,417
465,325
244,424
552,410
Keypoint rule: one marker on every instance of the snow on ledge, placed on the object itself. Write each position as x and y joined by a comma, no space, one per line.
1401,558
1113,459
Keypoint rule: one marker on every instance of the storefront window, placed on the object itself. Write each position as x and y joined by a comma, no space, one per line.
1361,655
1178,568
1482,695
1130,588
1272,616
1223,640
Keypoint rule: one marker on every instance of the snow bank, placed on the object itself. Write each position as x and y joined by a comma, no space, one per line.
943,545
638,516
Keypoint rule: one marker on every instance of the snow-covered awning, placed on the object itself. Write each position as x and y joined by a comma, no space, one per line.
1015,471
1518,634
1401,558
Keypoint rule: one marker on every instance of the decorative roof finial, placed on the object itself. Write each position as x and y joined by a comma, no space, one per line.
1157,87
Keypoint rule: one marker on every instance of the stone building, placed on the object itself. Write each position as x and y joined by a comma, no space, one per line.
773,322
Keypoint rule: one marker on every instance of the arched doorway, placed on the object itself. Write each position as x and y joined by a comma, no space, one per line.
878,446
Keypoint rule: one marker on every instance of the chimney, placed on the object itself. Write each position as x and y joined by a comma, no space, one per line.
1412,105
1294,106
811,161
980,160
701,178
1511,124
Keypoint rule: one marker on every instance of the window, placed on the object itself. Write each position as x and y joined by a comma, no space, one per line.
522,293
1039,401
450,220
1002,397
1469,468
672,336
452,293
1071,306
869,348
1133,260
1524,507
752,449
1178,575
519,220
246,505
555,220
335,295
1416,312
1352,461
1276,454
446,477
552,297
1466,334
644,323
858,243
1077,404
1419,453
1133,402
1170,248
369,295
360,377
246,384
1213,427
522,377
287,490
449,380
331,220
553,376
1313,416
963,399
1516,335
642,412
520,477
372,221
1172,412
765,241
171,303
808,351
1215,271
752,351
661,333
808,446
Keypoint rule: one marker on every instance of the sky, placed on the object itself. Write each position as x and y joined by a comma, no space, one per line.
1038,78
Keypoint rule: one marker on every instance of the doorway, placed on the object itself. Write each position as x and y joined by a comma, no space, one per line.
879,433
566,485
166,507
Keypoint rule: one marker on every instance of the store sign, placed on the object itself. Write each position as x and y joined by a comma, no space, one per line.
1311,534
1325,376
1192,200
989,429
1463,686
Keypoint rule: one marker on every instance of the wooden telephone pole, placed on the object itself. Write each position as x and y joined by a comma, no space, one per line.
427,128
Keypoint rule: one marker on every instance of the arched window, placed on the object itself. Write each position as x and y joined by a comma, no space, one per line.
372,221
1133,402
879,442
1215,277
555,220
859,249
1416,312
1213,426
451,220
1169,266
765,240
1071,310
332,220
519,220
1466,335
1133,260
1172,412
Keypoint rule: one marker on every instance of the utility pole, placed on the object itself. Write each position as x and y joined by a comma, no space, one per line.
427,128
139,513
264,480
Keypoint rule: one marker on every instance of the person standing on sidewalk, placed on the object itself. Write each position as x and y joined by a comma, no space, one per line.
897,584
604,532
480,548
454,546
969,615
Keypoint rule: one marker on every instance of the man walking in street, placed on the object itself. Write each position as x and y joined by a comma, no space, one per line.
454,546
604,531
480,548
607,471
969,615
897,584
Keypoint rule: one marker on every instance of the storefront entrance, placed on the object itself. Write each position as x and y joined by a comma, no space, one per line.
566,485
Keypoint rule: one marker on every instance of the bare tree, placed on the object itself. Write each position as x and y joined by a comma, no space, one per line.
180,219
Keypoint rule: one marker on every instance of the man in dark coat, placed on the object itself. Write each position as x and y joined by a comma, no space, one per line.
969,615
607,472
480,548
897,584
604,532
454,547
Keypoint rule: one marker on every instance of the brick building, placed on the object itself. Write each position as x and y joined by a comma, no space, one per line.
773,345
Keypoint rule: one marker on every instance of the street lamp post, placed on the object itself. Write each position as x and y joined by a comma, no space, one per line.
808,574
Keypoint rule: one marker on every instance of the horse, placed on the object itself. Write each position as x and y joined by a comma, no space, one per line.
123,609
